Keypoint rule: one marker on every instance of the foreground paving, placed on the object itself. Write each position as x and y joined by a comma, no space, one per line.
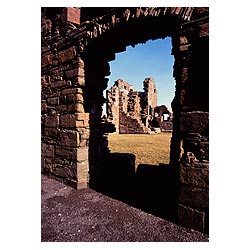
85,215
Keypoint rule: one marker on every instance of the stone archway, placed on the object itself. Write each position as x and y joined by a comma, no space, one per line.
77,45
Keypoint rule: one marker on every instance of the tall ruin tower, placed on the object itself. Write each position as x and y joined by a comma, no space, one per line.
149,99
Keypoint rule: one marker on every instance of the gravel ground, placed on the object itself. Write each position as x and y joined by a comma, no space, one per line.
70,215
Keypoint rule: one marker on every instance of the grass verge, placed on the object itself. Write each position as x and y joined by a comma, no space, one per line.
148,148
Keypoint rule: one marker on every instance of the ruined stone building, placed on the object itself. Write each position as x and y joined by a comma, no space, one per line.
134,112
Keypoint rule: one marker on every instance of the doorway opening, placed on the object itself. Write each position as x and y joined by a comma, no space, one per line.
140,90
138,101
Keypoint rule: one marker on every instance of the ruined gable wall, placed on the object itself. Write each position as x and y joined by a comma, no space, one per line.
117,101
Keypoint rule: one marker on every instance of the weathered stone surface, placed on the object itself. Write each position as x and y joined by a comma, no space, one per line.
71,15
64,169
82,169
194,122
58,84
51,121
194,197
72,91
81,80
66,152
196,147
75,98
46,60
43,106
191,218
82,154
61,108
47,150
51,132
67,54
74,73
68,120
197,177
75,108
69,138
53,101
83,117
184,75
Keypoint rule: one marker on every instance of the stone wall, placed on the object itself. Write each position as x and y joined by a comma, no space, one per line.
65,125
191,110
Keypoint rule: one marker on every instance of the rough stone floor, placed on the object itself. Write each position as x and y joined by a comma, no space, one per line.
70,215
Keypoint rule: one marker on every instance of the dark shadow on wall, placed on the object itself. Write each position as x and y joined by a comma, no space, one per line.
116,176
152,188
156,190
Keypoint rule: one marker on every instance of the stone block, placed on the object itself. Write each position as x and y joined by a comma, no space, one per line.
84,142
194,122
184,75
70,14
84,133
183,40
81,80
65,170
53,101
68,120
43,106
61,108
184,47
194,197
83,117
76,108
47,150
67,54
52,121
55,94
191,218
72,91
51,132
66,152
81,71
196,177
79,124
46,60
69,138
49,160
82,169
58,84
75,98
82,154
71,73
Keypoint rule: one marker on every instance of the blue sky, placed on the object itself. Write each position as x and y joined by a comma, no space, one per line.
152,59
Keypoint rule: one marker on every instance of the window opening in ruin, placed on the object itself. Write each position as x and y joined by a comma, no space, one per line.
140,91
166,117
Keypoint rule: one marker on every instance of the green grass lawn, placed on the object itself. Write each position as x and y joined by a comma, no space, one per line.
148,148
